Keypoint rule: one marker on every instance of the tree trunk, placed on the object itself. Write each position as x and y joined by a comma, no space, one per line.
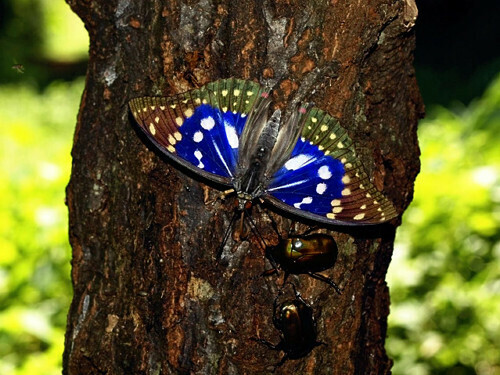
149,295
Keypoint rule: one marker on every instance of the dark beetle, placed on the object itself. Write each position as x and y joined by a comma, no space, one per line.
295,321
304,254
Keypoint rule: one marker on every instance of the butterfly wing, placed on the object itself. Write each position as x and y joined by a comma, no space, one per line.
200,129
323,180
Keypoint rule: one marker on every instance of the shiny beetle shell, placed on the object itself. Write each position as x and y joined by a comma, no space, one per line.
306,254
294,319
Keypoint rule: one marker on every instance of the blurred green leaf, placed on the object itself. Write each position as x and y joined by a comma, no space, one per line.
35,290
65,37
445,275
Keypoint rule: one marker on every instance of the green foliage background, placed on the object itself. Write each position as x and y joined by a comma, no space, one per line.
35,292
445,275
37,121
444,278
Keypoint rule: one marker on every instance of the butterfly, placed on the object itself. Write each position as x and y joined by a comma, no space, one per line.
226,132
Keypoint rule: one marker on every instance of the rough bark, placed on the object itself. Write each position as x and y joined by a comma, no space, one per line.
149,296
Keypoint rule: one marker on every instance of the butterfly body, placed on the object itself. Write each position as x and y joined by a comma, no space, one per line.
250,179
226,132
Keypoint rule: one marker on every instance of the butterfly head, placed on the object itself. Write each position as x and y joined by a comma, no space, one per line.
245,201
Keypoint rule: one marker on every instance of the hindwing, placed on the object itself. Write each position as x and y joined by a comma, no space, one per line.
323,179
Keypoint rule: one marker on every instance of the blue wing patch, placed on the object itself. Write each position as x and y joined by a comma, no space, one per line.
210,140
309,180
200,129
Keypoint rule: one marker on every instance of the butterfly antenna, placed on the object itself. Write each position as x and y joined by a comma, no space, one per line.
226,235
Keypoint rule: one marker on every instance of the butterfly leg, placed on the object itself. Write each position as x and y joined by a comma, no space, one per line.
226,236
275,226
222,196
255,229
325,279
240,232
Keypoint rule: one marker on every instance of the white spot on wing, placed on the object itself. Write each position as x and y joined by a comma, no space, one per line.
298,162
320,188
198,155
198,137
324,172
208,123
306,200
232,137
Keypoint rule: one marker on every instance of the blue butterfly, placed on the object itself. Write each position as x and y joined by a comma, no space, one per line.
306,165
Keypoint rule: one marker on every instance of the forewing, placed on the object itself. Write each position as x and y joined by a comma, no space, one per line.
324,181
199,129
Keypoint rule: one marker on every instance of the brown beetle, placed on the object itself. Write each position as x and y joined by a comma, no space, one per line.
304,254
295,321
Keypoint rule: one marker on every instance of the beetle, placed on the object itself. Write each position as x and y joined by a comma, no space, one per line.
303,254
295,320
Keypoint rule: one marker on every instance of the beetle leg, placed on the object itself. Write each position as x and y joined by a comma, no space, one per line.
269,272
284,280
319,343
325,279
266,343
272,347
297,294
280,363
